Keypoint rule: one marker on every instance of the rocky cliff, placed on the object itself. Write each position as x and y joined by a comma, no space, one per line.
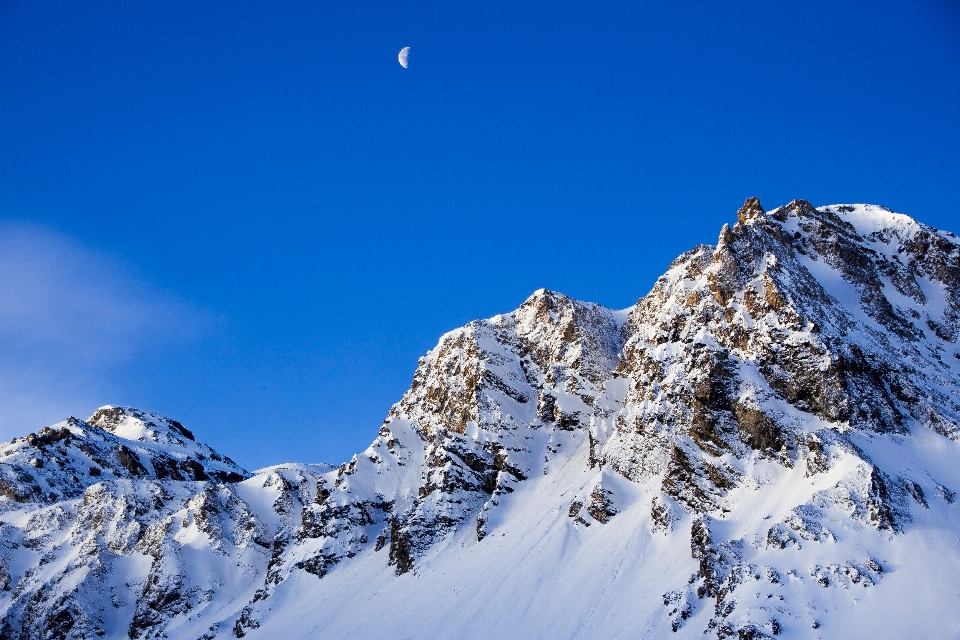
766,444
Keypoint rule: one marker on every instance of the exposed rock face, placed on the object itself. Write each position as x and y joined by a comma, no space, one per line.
763,426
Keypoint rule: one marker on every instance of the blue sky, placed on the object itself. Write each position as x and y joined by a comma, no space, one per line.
249,217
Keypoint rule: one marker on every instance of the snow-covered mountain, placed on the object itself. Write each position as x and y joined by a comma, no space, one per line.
766,444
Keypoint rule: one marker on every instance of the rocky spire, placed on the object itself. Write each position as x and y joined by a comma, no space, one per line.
751,209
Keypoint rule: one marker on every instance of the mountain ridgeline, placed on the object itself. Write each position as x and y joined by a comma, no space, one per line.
764,445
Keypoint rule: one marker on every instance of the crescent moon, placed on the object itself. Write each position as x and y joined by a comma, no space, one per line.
404,54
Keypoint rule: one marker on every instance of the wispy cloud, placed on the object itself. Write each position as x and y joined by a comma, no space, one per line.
69,316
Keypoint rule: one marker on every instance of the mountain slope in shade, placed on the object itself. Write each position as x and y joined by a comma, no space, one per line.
765,445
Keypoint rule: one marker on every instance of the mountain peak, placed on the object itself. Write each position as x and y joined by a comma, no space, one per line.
133,424
751,209
62,461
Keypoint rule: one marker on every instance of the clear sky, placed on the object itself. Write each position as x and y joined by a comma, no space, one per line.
249,217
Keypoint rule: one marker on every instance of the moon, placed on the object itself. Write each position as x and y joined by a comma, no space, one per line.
404,54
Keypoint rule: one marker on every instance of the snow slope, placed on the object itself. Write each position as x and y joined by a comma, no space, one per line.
765,445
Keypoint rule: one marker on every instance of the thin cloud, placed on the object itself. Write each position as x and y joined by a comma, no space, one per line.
70,315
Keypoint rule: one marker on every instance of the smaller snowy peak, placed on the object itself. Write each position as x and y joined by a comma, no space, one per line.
896,236
871,223
117,443
154,432
871,218
906,273
133,424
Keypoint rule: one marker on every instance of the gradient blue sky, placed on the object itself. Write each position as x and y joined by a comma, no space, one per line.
249,217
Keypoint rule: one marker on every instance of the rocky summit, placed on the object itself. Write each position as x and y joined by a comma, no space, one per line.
765,445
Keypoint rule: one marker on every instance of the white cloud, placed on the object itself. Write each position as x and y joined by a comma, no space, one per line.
69,316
